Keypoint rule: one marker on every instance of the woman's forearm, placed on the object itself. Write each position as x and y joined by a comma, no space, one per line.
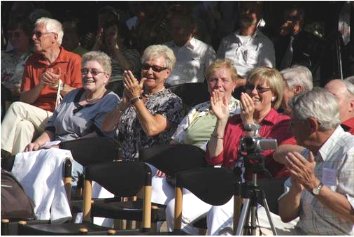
151,124
216,142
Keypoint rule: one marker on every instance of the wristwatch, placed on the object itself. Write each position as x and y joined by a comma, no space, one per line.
316,190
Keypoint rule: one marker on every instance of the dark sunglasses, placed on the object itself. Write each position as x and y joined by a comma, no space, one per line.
155,68
39,34
249,87
94,72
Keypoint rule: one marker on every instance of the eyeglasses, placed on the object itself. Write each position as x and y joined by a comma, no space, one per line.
39,34
94,71
260,89
155,68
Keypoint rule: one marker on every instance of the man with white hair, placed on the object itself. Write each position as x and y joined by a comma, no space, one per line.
343,90
50,73
321,193
297,79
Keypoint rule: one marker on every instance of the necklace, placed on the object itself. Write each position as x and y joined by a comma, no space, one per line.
94,99
153,93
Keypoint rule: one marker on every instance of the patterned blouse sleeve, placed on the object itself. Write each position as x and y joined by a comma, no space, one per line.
172,109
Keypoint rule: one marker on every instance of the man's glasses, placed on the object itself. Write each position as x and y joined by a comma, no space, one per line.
260,89
94,72
155,68
39,34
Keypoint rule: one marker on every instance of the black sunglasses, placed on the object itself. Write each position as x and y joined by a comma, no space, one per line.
155,68
249,87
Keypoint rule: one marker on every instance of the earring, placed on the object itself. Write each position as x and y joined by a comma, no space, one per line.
273,98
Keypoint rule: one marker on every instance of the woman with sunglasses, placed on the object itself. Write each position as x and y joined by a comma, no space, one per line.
264,93
79,115
258,117
149,113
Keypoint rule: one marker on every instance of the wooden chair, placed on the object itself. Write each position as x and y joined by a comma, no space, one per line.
173,158
214,186
10,224
120,178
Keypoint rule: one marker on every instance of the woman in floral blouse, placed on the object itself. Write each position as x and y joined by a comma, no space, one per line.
149,113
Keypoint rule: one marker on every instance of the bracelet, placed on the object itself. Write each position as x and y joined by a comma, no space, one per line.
216,136
135,99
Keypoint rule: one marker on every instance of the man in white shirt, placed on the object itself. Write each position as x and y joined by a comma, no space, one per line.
321,193
193,56
248,47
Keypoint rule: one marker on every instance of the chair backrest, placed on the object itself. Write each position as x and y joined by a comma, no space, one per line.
172,158
272,188
214,186
191,93
123,179
92,150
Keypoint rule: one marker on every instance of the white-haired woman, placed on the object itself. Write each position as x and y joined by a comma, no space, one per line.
79,115
149,113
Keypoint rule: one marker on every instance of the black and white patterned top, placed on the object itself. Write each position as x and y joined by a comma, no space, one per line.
131,135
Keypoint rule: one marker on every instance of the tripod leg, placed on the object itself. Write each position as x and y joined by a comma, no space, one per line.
243,217
266,207
253,219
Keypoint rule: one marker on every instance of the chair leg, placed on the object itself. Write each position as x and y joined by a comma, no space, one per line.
147,207
87,201
178,208
67,177
5,226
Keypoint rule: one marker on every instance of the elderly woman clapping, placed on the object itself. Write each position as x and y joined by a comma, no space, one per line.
149,113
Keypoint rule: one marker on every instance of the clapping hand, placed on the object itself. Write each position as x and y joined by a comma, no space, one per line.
132,87
219,105
302,169
51,78
247,111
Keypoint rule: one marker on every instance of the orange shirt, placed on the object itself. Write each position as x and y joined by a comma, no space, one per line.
70,66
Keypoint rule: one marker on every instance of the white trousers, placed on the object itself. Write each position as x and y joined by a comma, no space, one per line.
220,218
192,209
41,175
220,221
22,123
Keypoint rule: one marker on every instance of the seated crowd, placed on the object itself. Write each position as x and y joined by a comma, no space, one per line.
60,89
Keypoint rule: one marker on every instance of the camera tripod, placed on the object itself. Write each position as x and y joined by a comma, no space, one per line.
250,193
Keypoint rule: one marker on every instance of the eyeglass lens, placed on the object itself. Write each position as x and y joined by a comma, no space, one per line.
260,89
155,68
94,72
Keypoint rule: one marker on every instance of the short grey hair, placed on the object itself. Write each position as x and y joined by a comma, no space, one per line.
158,50
350,79
349,86
52,25
317,103
103,59
298,76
